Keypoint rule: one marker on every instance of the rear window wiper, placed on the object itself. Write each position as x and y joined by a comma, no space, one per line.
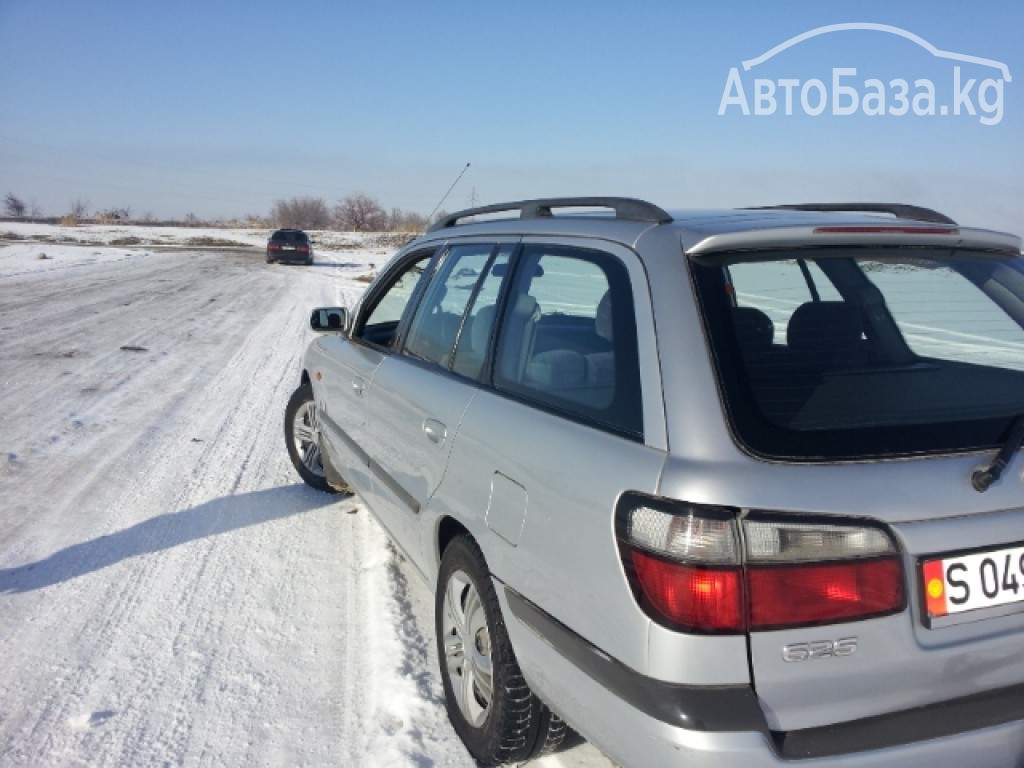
983,479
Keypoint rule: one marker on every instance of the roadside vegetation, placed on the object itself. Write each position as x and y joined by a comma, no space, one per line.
355,213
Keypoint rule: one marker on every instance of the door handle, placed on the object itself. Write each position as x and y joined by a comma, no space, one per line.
358,385
435,431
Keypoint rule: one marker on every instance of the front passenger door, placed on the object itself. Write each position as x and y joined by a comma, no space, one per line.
419,396
347,366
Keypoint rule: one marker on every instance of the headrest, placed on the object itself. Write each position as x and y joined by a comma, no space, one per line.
754,329
480,329
821,326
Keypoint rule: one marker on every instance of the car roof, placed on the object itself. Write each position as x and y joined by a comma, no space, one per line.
625,220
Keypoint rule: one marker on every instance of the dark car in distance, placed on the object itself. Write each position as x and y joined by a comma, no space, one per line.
290,245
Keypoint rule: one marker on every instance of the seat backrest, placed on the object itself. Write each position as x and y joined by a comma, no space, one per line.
825,328
558,370
517,337
472,350
480,330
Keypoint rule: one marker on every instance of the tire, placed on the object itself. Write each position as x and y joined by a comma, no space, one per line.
489,704
302,436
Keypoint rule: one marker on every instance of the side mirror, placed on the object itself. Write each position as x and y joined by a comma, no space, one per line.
329,320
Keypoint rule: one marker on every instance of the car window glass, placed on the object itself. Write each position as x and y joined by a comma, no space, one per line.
943,315
438,317
777,288
568,336
474,340
925,354
381,322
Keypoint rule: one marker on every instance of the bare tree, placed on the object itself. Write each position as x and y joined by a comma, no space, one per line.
15,205
302,213
406,221
360,213
114,215
79,209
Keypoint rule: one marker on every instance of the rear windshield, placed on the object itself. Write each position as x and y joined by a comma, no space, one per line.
830,354
289,237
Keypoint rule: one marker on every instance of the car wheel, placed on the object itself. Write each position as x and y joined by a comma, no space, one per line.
302,436
489,704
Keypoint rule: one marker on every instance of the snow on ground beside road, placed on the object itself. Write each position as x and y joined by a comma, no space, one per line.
374,248
170,593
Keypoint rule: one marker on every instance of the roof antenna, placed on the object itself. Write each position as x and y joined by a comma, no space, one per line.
441,201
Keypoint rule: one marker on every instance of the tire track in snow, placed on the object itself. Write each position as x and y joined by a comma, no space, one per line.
123,598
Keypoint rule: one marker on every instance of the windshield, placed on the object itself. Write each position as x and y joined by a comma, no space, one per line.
827,354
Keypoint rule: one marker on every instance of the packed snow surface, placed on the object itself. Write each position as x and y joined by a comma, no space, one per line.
170,593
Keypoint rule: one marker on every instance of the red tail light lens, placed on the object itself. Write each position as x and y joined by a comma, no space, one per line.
822,593
690,569
705,599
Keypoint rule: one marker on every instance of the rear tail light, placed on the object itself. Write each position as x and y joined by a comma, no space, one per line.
273,247
710,569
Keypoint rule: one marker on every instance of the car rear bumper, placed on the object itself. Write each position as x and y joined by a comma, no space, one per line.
638,721
293,257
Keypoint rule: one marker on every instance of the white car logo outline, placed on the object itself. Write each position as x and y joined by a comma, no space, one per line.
869,26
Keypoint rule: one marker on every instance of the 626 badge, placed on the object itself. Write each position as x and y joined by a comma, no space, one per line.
969,582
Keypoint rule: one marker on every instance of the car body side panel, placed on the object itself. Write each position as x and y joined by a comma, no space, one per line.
566,559
416,411
341,373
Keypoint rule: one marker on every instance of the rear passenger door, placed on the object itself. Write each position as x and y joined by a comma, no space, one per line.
419,396
563,429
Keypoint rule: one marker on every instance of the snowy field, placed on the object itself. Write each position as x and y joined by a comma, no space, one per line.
170,593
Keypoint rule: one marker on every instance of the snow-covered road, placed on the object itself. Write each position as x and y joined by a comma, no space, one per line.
170,594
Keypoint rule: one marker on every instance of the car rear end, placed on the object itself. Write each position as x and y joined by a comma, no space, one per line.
291,245
844,399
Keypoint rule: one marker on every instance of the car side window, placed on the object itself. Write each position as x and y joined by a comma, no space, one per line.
439,316
568,337
474,340
380,322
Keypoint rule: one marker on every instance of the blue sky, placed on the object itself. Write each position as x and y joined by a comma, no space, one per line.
221,108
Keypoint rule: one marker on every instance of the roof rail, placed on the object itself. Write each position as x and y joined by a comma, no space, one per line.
626,208
899,210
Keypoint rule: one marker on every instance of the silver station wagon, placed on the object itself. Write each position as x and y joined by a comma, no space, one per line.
712,488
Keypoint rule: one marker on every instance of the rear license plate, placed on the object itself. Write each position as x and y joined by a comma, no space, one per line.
962,583
288,248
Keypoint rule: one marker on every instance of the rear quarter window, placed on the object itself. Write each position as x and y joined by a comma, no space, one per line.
568,337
